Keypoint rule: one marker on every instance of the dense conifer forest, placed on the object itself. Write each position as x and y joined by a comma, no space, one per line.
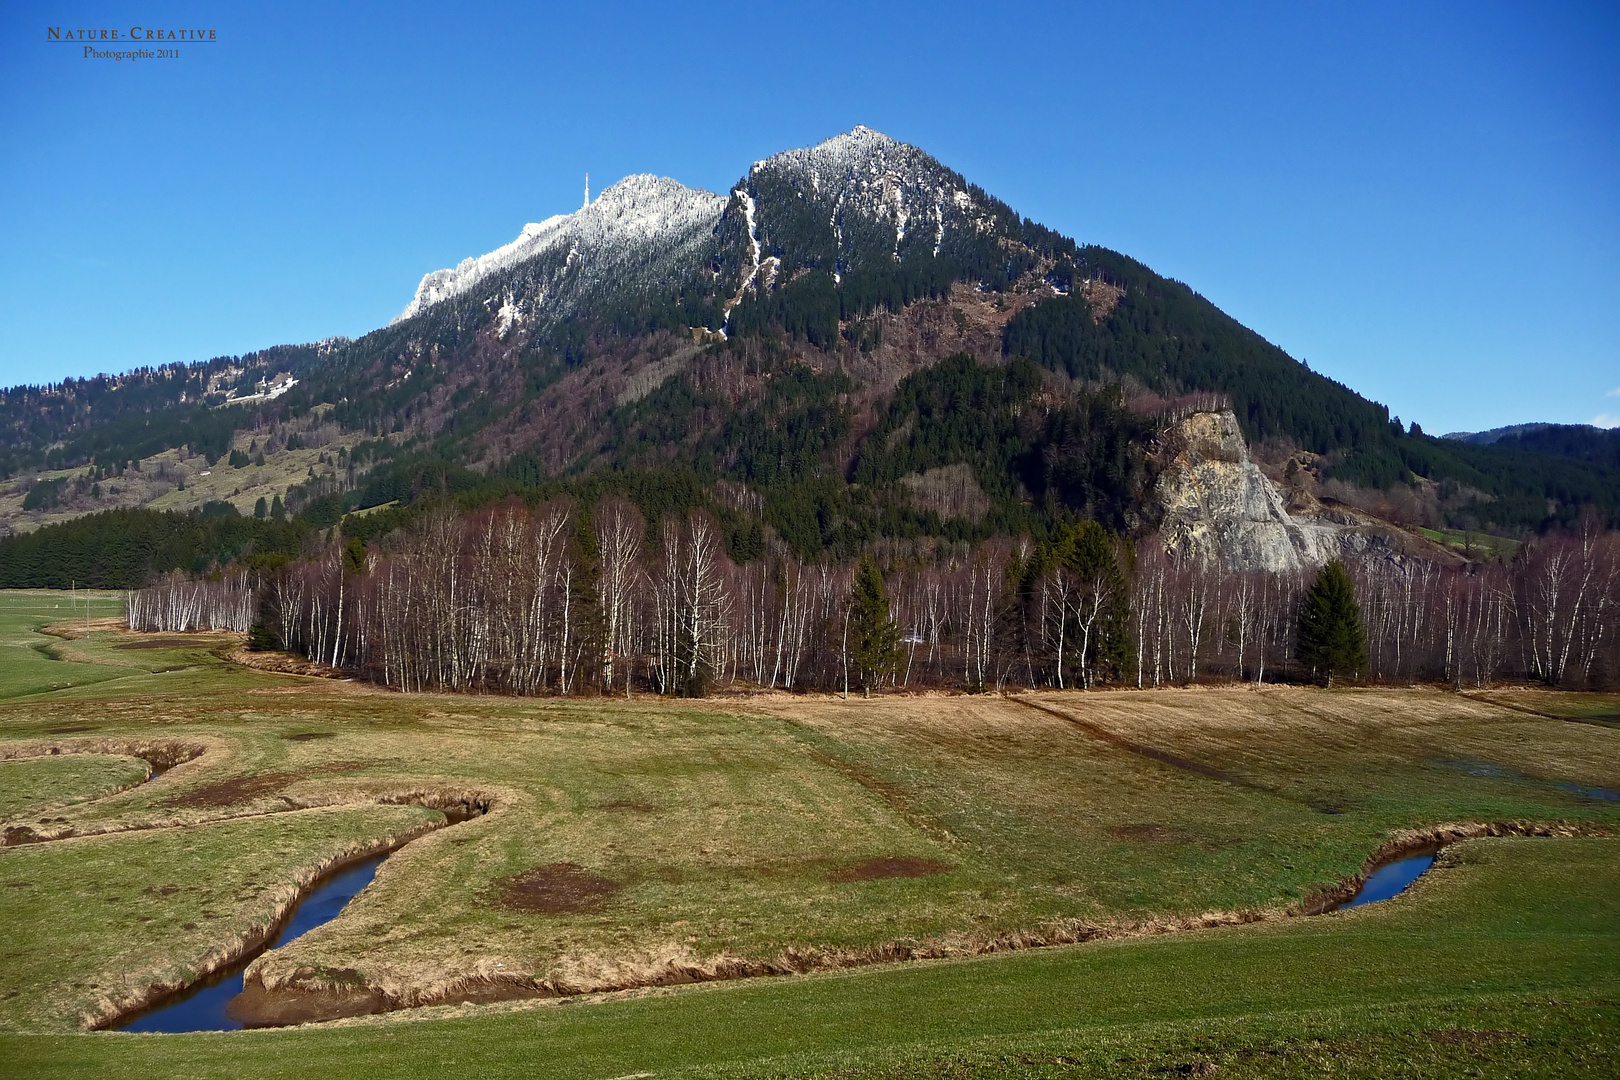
126,549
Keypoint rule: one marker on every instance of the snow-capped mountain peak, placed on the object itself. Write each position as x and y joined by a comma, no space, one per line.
857,200
639,213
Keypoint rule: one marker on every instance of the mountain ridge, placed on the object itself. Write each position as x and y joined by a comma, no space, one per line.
642,210
759,337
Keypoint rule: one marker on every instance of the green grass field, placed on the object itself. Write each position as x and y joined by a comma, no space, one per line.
1505,961
1475,544
29,785
30,662
741,834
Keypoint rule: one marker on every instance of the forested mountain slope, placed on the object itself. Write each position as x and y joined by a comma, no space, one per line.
853,342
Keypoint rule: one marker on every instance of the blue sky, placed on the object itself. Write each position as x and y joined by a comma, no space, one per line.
1423,201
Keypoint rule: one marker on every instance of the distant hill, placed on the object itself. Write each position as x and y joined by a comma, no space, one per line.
1486,438
852,342
1581,442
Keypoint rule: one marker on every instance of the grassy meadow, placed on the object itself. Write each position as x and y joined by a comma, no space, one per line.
33,784
31,662
654,842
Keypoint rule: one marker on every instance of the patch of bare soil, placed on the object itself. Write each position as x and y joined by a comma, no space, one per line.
1101,298
309,736
1153,834
256,1007
240,789
890,866
1465,1037
161,643
557,889
229,792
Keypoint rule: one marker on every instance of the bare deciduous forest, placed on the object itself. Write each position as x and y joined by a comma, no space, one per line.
554,600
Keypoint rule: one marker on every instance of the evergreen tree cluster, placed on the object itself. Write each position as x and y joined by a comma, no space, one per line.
134,415
1082,455
874,639
1172,340
125,549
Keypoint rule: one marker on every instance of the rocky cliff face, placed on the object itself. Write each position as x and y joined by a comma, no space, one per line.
1214,502
1217,503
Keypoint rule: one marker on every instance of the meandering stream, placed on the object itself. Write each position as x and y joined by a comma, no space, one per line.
206,1006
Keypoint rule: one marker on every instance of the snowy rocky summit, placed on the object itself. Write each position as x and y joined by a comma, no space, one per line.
879,197
642,227
443,284
857,199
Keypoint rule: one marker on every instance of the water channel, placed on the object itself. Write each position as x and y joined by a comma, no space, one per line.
204,1007
1391,879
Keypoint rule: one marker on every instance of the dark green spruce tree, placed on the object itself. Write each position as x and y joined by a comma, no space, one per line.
1082,562
874,639
1331,640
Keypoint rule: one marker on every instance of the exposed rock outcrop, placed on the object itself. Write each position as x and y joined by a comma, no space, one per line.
1217,503
1213,501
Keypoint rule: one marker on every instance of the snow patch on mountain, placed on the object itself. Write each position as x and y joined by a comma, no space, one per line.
443,284
751,280
636,227
510,314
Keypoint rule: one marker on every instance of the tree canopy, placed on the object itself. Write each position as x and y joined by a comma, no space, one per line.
1331,638
874,639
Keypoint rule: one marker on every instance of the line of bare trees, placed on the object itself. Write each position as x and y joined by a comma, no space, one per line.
178,603
536,600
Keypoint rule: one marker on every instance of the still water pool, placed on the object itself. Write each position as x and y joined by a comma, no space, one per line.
1391,879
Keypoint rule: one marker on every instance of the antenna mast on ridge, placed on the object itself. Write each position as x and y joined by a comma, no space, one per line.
587,192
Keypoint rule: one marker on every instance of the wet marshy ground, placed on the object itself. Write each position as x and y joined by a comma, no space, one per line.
1487,770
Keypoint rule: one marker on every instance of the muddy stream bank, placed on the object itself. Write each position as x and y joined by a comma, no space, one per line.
159,757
